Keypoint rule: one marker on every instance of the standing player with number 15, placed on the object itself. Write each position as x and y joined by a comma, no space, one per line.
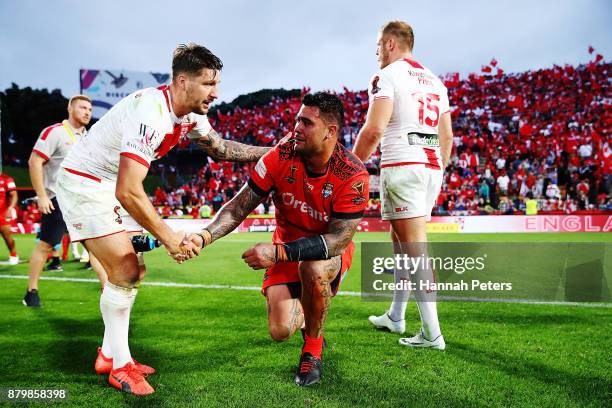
409,114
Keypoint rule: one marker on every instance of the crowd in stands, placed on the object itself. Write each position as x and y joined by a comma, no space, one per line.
540,135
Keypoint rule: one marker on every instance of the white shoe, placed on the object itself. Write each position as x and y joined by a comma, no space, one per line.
84,259
420,341
13,260
385,322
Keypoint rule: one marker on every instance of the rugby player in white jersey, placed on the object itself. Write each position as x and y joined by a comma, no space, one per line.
409,115
102,197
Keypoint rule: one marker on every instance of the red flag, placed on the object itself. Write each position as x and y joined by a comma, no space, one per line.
452,80
516,101
591,49
493,62
598,58
487,69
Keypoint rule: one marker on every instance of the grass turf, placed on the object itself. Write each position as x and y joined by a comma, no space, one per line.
211,346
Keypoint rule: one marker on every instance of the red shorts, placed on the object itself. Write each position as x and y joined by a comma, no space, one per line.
287,272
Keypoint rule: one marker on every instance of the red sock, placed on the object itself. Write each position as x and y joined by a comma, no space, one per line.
13,253
313,345
65,243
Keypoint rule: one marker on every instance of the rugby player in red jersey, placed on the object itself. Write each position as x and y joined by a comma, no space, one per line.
320,190
8,188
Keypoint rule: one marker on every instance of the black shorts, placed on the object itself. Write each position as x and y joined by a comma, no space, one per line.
295,288
52,226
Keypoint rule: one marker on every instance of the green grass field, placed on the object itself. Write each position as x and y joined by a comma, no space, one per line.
211,347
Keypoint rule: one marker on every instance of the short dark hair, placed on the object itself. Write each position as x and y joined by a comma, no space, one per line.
329,105
190,58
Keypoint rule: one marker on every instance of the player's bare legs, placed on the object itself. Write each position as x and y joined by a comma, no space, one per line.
99,270
117,257
285,314
5,230
37,263
316,278
411,233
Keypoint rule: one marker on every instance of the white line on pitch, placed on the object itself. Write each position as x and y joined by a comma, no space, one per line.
342,292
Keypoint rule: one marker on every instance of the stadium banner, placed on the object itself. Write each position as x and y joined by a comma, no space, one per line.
467,224
107,87
559,272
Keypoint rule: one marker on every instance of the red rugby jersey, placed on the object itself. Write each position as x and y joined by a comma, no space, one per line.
305,202
6,184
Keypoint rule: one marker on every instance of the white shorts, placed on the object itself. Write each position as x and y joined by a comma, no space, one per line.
409,191
90,208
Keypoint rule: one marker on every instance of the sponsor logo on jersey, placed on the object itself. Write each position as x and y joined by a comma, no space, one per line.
78,226
375,88
260,169
358,186
147,133
291,178
328,189
290,201
358,200
423,139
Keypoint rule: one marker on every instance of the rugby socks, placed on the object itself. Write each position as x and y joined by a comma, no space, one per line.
397,311
313,345
426,301
115,304
75,250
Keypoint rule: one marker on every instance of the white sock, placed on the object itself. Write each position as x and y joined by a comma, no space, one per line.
84,254
397,310
75,249
427,306
115,305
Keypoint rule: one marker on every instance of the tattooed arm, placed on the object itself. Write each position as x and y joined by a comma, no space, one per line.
315,247
226,150
228,217
339,234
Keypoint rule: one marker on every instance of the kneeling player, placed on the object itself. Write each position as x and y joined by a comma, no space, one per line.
319,190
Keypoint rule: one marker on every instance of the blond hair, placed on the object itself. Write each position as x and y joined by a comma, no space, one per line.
79,98
401,31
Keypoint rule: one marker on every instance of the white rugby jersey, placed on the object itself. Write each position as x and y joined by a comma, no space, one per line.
142,126
419,99
53,145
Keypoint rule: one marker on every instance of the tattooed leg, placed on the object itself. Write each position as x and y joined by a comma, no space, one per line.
316,277
285,314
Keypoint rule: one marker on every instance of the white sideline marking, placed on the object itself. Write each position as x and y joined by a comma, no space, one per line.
342,292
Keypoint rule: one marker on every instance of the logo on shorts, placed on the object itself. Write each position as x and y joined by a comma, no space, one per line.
375,87
291,178
328,189
78,226
118,220
401,209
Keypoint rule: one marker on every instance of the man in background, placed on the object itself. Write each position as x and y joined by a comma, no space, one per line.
50,149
